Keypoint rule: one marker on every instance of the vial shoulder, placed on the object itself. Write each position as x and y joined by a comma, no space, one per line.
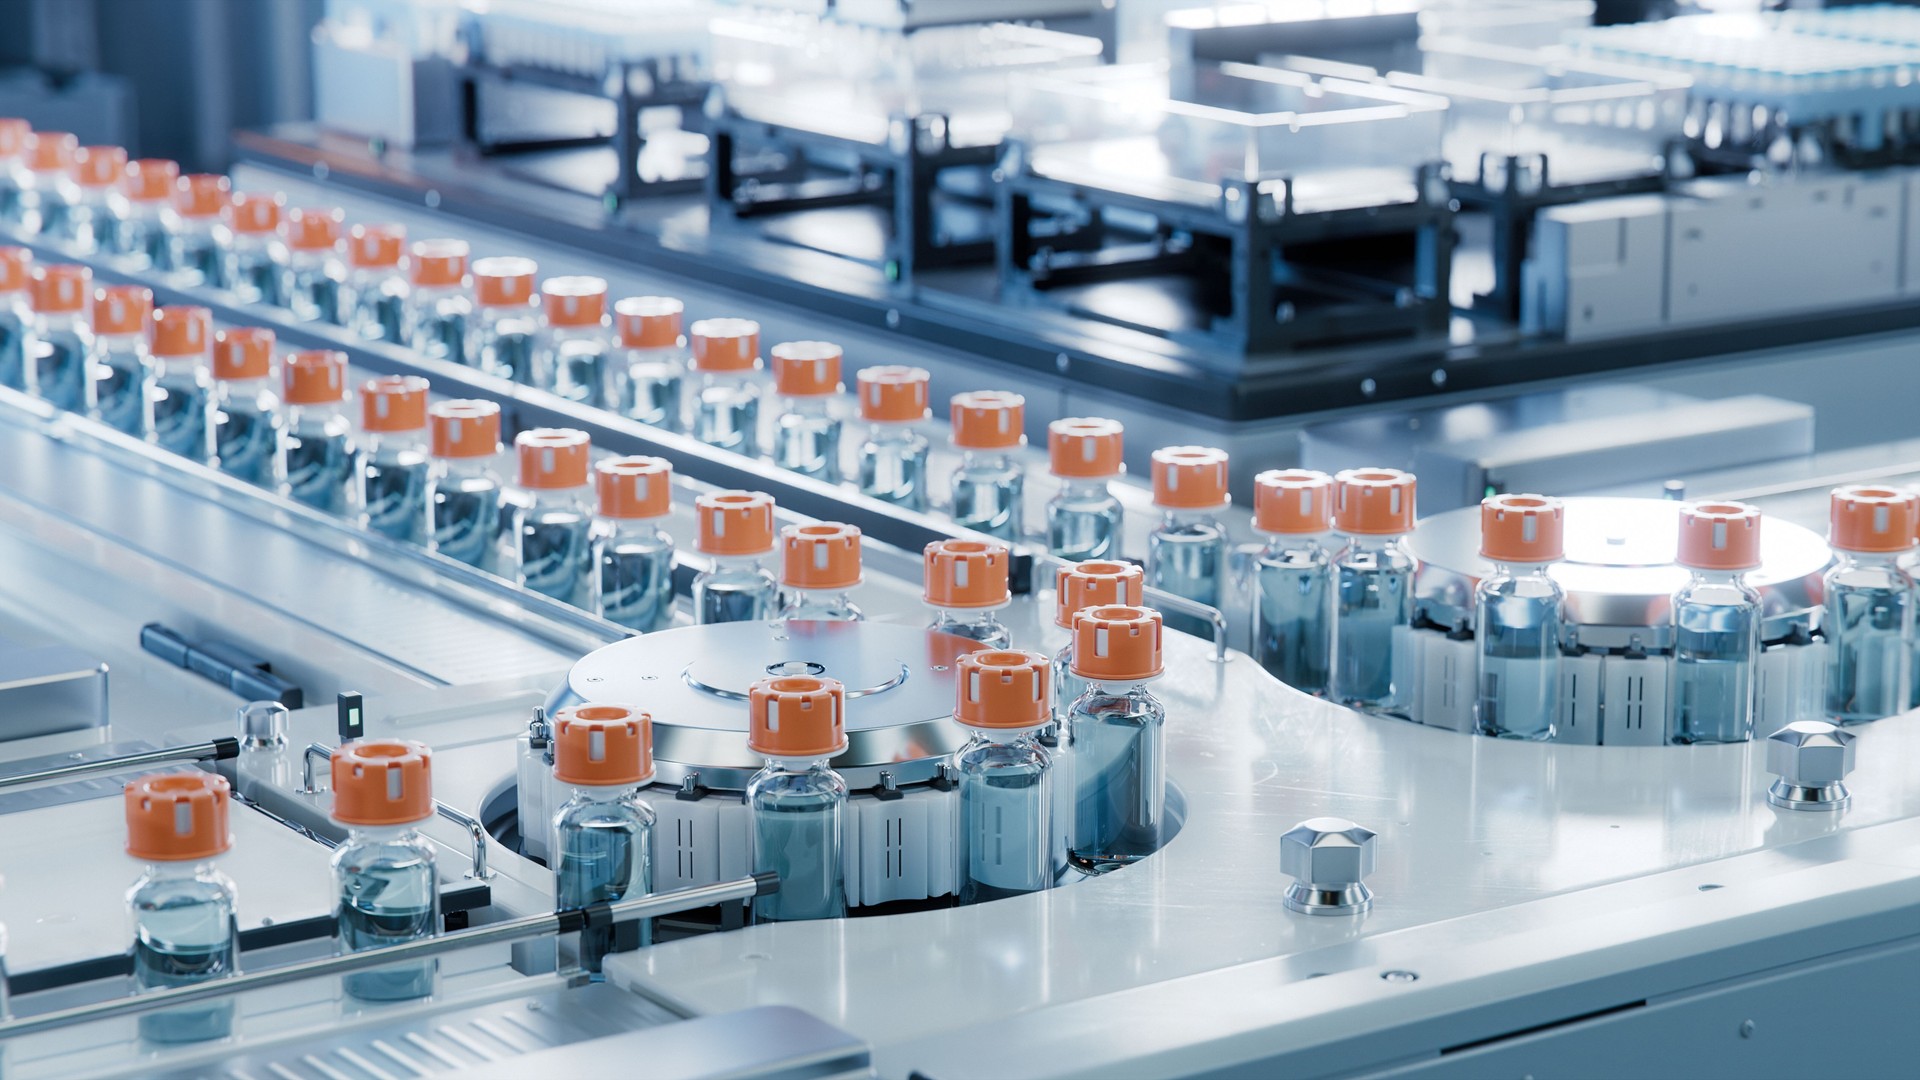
983,755
384,854
775,782
156,892
1869,577
628,810
1720,594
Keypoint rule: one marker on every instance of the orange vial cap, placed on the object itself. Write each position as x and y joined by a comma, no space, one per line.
314,228
1871,518
634,487
553,459
967,574
797,717
1719,536
61,288
1373,502
178,817
1085,448
315,377
181,331
893,394
806,368
602,746
735,523
574,301
243,352
1002,690
1522,528
824,556
1117,643
122,309
1292,502
100,166
649,322
440,263
1094,583
465,429
13,135
382,782
725,344
988,420
202,195
16,268
255,214
152,179
376,247
393,403
52,151
1189,478
504,280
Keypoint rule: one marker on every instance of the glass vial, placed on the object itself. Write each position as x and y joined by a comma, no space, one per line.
316,277
376,293
552,525
393,466
736,532
321,449
53,200
989,486
1716,626
726,403
440,308
806,430
632,553
967,587
893,457
206,244
124,371
463,491
103,210
1008,839
1293,577
1373,509
249,424
797,802
1078,586
16,313
386,889
150,239
819,564
15,181
573,349
59,353
1870,603
648,370
603,834
1084,518
182,908
1517,617
1187,554
1118,732
262,269
184,400
505,321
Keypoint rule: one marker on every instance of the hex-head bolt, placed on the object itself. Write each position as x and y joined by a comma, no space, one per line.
263,725
1811,759
1329,859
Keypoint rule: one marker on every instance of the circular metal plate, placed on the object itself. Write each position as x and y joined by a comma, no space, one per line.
694,680
1619,570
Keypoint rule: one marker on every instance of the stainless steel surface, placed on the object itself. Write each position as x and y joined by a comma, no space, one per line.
1812,759
46,689
170,755
770,1041
1328,859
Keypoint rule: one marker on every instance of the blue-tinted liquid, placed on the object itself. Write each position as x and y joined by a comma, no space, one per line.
556,554
796,834
205,259
123,391
248,443
1084,526
260,278
466,519
62,370
151,242
1293,616
184,934
987,498
647,391
808,445
1715,647
443,333
183,412
728,417
1867,616
731,595
1188,559
1518,623
396,494
320,466
13,342
380,313
604,855
313,294
636,584
894,469
387,903
578,369
1374,599
1006,821
1119,764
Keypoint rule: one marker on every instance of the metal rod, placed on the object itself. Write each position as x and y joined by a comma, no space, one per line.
528,926
218,749
476,830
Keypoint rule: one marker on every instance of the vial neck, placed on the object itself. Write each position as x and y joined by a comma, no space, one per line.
56,321
183,364
1007,736
1084,488
812,406
381,834
566,496
396,442
471,468
1282,543
1874,559
799,766
1177,518
179,870
985,459
319,412
1718,577
1372,542
648,527
737,564
820,598
892,431
965,616
601,793
1521,569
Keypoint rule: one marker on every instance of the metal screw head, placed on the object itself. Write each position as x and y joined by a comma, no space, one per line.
1327,852
1810,753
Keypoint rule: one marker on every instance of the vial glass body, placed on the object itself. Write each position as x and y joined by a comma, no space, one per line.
320,459
104,212
726,411
440,322
553,548
806,438
1007,832
1120,774
1293,612
1373,603
184,933
1187,556
572,361
150,237
55,212
798,808
988,490
737,589
59,366
464,501
15,182
393,471
975,624
603,852
1517,624
1716,646
377,304
633,574
124,377
1083,521
249,431
206,253
184,407
16,326
262,270
893,465
646,385
503,343
1868,622
819,605
316,285
387,893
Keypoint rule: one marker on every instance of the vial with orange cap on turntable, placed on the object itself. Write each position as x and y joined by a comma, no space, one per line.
1868,619
1118,733
1373,588
736,532
798,724
1518,616
1187,552
1007,835
1293,577
1716,626
603,835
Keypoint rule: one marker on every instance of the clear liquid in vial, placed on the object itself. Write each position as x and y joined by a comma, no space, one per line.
1716,644
314,292
797,834
260,275
14,321
63,374
1518,618
1119,762
466,518
1006,814
636,579
1373,591
734,594
1187,556
184,934
987,495
183,408
1084,522
727,415
1293,614
247,440
387,901
893,467
556,553
604,855
123,389
1868,615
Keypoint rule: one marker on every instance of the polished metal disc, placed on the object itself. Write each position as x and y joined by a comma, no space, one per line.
694,680
1619,572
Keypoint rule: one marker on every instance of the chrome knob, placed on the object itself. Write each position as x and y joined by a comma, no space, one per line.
1328,859
1811,759
263,725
